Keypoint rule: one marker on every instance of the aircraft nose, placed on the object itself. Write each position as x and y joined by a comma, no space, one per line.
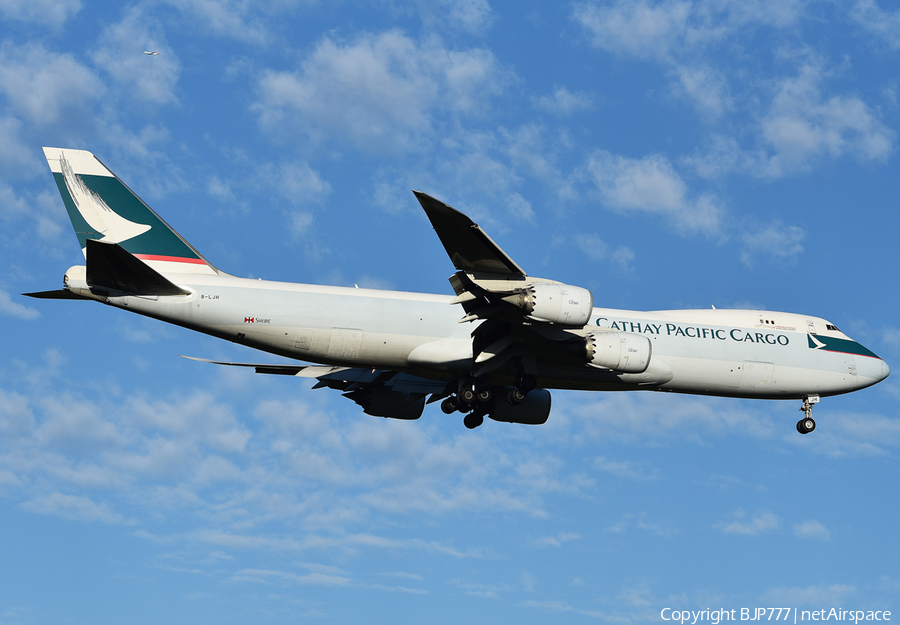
873,369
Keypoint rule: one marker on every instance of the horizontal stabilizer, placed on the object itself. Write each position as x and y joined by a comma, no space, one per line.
111,267
469,247
57,294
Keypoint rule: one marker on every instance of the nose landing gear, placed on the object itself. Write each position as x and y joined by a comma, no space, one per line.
807,424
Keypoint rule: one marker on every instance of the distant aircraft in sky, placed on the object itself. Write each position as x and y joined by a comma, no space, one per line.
154,53
491,351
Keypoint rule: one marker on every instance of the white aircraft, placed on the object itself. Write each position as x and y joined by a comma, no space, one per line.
492,351
153,53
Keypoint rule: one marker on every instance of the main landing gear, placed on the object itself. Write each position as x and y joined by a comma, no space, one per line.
476,400
807,424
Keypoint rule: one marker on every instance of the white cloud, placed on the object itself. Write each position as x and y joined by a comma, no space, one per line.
774,242
762,522
651,417
705,86
639,521
379,92
69,425
802,126
812,530
596,249
73,507
16,418
820,595
852,434
557,540
626,469
51,13
233,19
671,30
44,88
121,53
473,16
16,309
721,155
884,24
563,102
314,578
199,415
295,181
651,185
690,42
639,29
480,173
220,189
43,211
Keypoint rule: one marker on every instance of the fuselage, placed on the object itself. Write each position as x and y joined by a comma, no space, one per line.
731,353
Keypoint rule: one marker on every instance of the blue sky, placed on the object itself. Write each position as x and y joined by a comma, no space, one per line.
664,155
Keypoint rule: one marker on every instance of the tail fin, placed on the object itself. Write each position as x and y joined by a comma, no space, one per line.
101,207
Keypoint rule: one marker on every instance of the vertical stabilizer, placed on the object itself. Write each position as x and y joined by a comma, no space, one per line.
101,207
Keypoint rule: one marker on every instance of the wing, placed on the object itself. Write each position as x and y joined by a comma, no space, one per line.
524,317
469,247
490,285
380,392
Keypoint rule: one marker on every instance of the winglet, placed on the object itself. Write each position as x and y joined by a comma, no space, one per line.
469,247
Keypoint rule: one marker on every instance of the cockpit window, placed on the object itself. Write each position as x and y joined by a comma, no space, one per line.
832,327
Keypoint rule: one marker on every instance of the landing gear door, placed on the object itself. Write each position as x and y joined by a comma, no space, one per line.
757,375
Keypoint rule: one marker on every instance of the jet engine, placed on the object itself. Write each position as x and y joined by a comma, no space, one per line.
554,303
380,401
533,411
625,352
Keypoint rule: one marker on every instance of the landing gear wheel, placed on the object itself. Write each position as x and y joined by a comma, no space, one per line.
526,383
449,405
807,424
473,420
466,396
485,395
516,397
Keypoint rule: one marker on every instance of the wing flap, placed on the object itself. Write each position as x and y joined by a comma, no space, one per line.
380,393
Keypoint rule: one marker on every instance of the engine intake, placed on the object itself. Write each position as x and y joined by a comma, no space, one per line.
625,352
555,303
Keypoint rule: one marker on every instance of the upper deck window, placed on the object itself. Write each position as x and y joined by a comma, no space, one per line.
832,327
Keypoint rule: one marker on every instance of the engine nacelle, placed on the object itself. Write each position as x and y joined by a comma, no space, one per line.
625,352
380,401
533,411
555,303
75,281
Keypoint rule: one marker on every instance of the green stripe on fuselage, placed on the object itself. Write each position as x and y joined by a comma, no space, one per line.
159,240
835,344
